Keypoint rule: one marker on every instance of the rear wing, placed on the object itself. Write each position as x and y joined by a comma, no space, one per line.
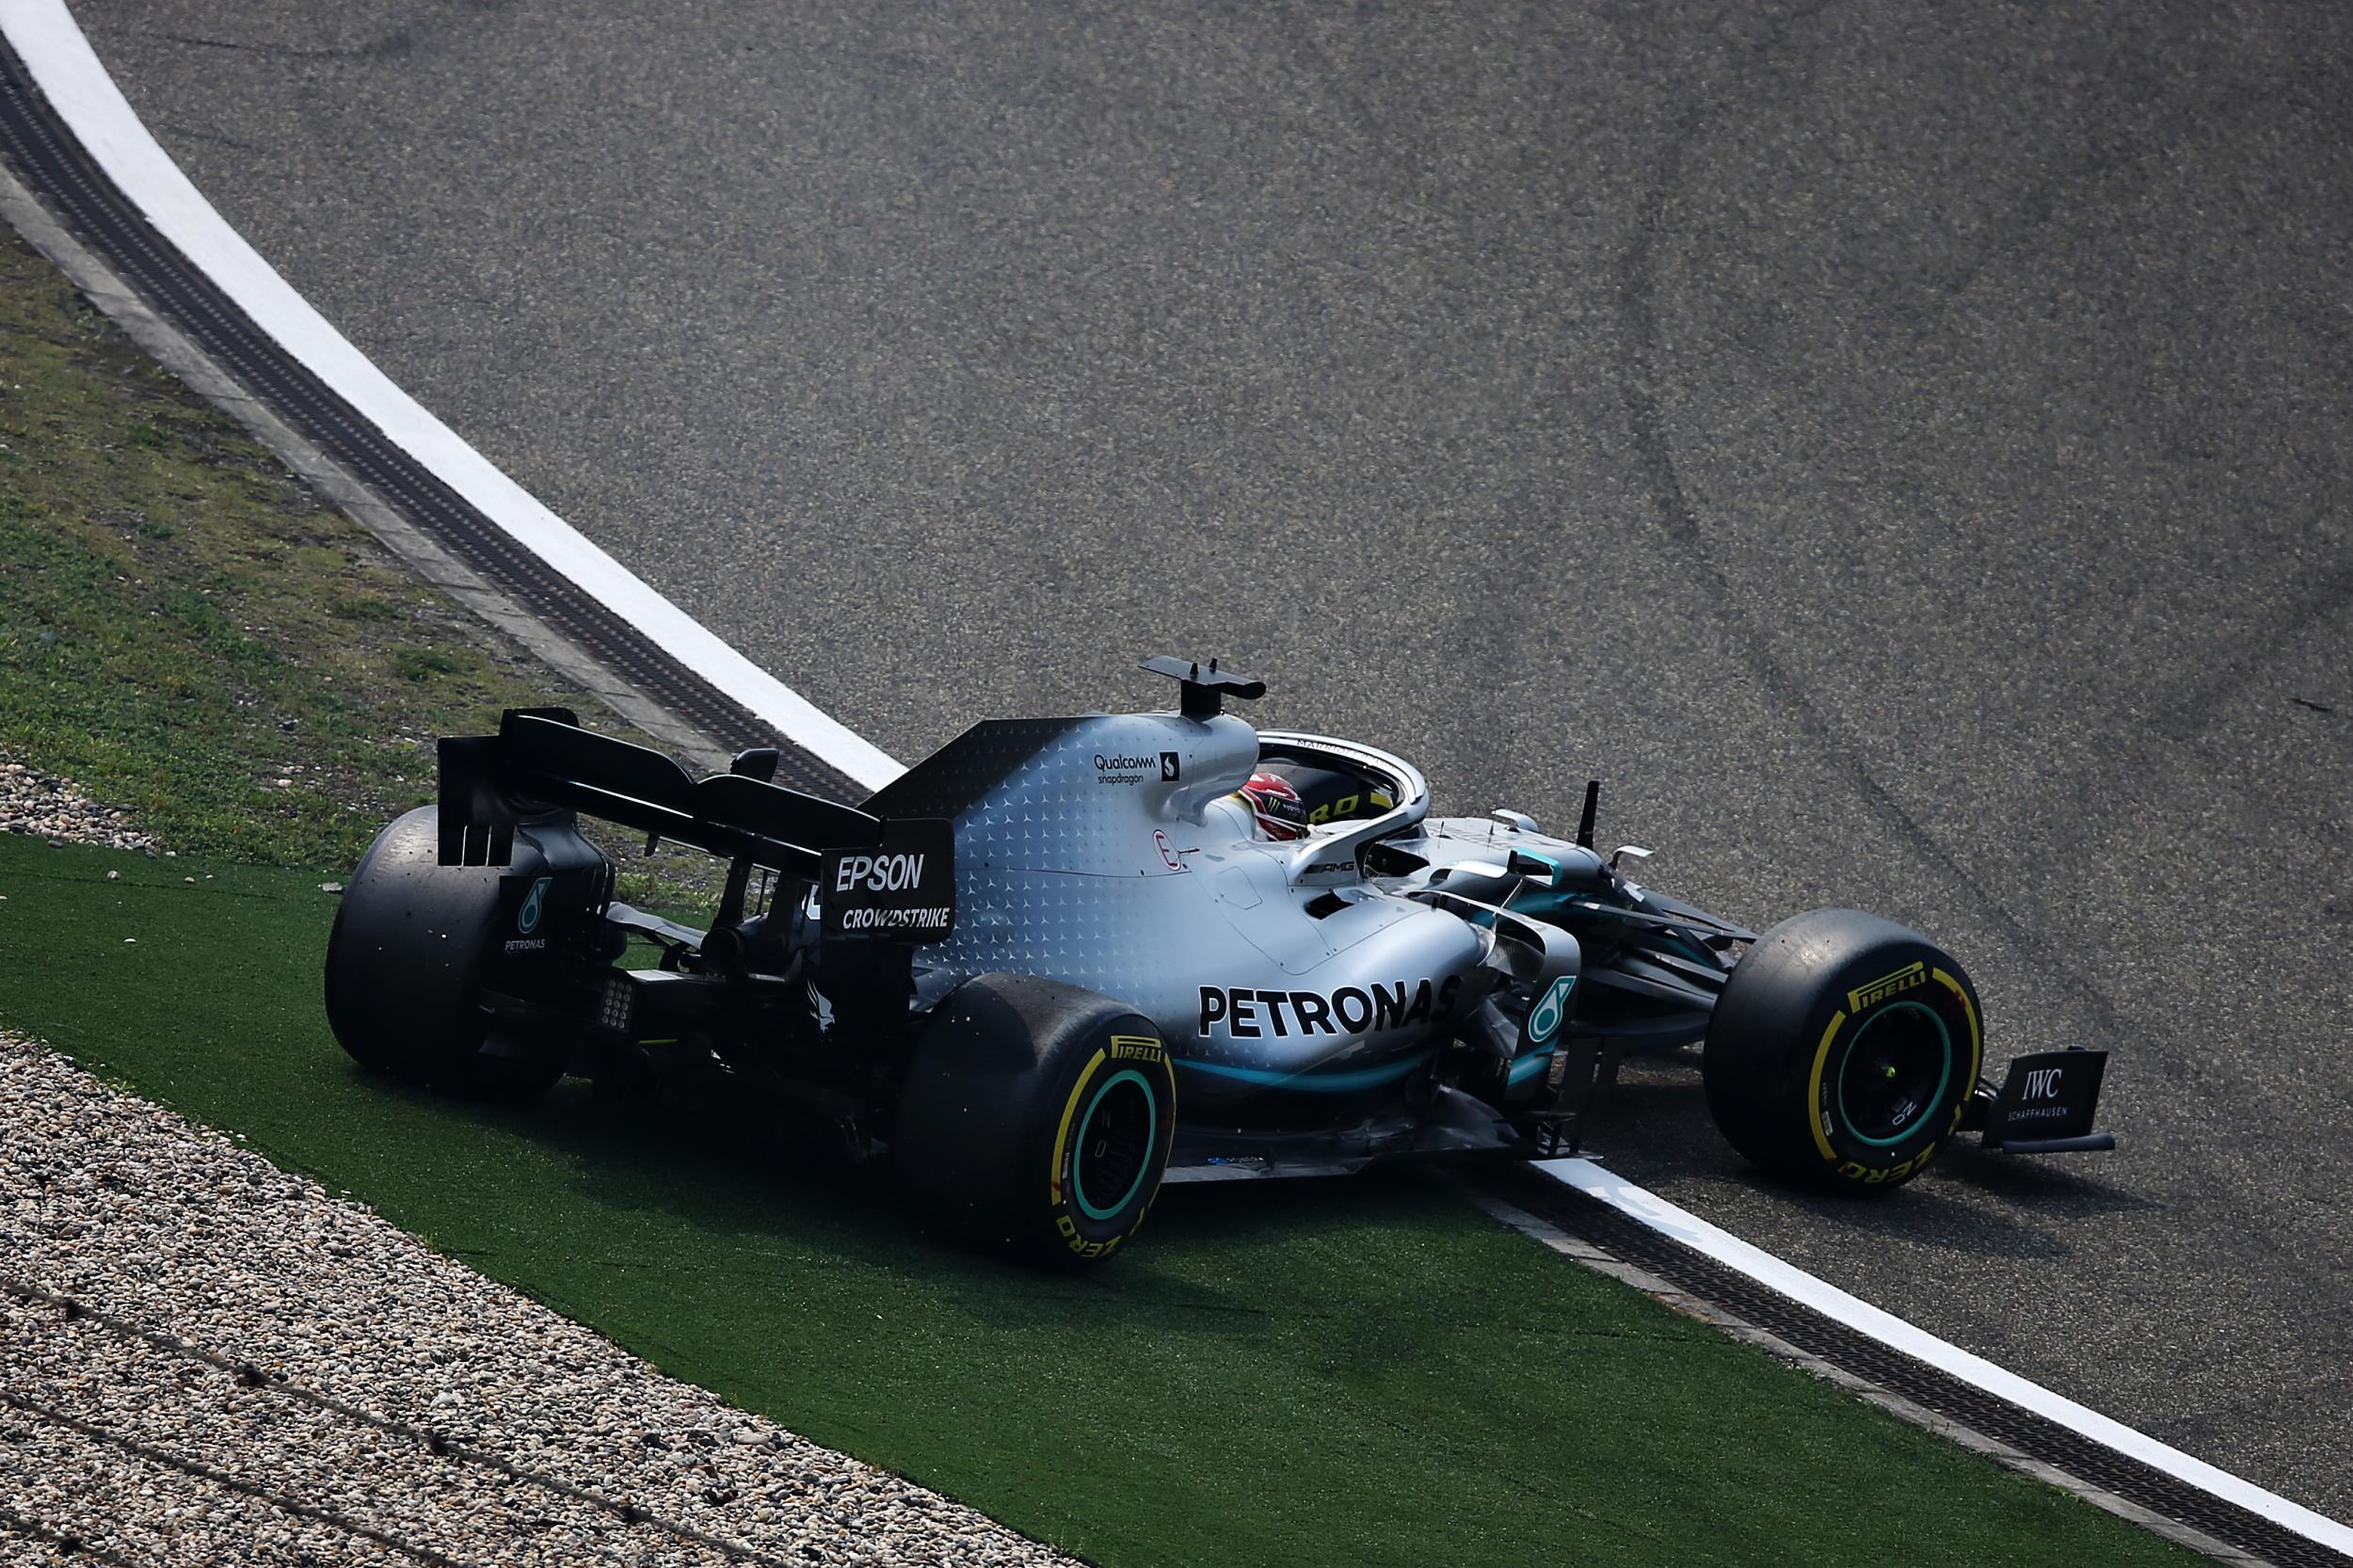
875,876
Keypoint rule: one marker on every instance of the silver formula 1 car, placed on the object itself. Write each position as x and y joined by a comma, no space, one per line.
1062,961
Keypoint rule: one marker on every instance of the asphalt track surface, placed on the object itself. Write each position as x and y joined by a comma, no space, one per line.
1904,451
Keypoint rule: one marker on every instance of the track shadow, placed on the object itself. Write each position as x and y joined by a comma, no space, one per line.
720,1166
1972,1202
2068,1182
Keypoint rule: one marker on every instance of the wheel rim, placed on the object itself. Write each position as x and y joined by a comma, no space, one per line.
1896,1070
1114,1144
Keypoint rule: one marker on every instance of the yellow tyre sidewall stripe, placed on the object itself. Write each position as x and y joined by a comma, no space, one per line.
1976,1042
1813,1087
1070,1108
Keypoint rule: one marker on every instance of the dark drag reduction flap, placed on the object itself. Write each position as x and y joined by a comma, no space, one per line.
541,760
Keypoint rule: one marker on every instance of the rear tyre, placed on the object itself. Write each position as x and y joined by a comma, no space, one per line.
404,966
1035,1121
1844,1050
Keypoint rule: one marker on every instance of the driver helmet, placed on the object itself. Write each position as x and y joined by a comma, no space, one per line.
1275,806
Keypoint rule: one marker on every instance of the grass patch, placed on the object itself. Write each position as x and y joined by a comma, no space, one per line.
1358,1371
186,632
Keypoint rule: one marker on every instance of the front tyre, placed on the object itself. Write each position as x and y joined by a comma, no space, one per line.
1844,1049
1035,1121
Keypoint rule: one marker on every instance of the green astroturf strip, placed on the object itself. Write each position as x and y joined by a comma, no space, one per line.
1344,1372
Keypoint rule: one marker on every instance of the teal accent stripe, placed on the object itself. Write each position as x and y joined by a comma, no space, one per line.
1078,1159
1329,1083
1529,1066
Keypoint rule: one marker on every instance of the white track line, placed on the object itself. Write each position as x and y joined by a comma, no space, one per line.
1893,1332
46,38
51,44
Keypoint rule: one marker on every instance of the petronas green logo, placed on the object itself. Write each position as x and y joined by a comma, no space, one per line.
527,919
1544,1022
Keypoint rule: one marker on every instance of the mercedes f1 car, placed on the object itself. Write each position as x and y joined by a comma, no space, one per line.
1062,960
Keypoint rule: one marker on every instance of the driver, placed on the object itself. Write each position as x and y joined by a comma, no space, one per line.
1274,806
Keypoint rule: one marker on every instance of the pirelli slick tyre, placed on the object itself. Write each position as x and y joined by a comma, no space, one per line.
1844,1050
1035,1121
404,966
